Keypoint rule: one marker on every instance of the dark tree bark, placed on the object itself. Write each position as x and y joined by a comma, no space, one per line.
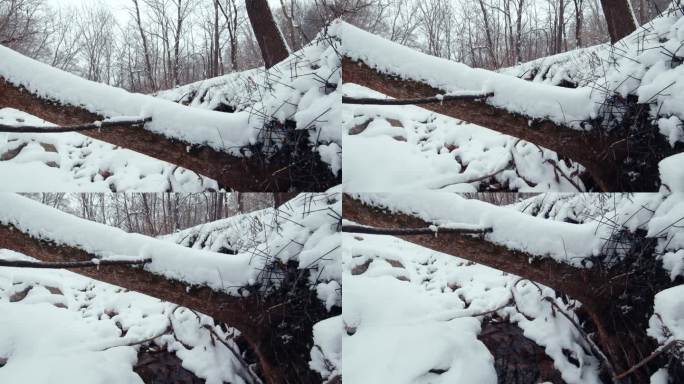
273,47
619,19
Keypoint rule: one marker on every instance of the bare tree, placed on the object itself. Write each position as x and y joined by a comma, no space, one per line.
271,42
619,17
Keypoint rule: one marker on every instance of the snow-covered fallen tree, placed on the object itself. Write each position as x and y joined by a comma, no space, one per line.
619,265
618,124
290,128
273,291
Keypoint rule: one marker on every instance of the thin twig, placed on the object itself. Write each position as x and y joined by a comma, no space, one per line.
650,357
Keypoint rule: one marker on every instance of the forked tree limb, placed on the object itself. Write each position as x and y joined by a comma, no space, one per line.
244,313
135,123
599,152
237,173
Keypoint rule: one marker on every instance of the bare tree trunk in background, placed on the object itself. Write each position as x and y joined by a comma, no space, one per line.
488,33
290,22
619,18
146,51
230,12
579,17
215,59
518,32
271,43
560,28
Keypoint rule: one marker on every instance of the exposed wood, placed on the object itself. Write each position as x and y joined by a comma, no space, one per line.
599,152
250,314
271,42
237,173
137,123
619,18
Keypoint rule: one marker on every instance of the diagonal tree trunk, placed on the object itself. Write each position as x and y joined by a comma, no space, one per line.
252,315
271,42
601,290
238,173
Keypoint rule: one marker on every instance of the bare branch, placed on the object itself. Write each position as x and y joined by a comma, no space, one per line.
70,264
415,101
136,123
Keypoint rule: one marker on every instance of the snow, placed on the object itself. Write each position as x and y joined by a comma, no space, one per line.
564,242
301,89
305,231
218,130
70,161
561,105
672,172
411,316
667,323
77,329
412,148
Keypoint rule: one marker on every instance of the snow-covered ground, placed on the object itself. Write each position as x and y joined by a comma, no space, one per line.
71,162
411,316
60,327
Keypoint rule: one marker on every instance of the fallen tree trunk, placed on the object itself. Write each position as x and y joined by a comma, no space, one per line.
601,153
252,315
604,292
252,174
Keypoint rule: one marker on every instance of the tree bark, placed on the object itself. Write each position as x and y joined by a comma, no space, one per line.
619,18
271,42
251,315
238,173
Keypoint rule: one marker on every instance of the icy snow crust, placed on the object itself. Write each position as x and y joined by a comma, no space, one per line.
70,161
561,105
305,231
72,328
414,312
